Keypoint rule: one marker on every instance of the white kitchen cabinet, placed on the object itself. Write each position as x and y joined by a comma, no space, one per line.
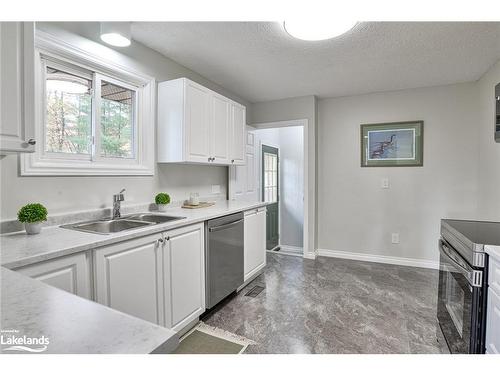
221,129
127,277
17,51
184,276
238,137
70,273
493,323
493,309
198,125
254,242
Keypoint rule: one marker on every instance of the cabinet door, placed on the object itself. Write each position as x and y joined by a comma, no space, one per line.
127,277
70,273
238,125
255,242
220,129
17,125
197,125
184,276
493,323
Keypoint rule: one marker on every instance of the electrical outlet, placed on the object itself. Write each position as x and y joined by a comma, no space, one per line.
395,238
215,189
384,184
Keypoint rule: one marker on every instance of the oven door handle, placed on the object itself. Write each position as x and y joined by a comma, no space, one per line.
474,277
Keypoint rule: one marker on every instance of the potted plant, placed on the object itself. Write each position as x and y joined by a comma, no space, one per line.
162,200
32,215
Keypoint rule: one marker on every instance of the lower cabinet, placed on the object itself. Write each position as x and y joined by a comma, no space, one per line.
127,277
493,323
159,278
70,273
493,309
254,242
184,276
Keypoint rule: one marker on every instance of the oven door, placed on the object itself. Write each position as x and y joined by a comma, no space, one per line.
459,301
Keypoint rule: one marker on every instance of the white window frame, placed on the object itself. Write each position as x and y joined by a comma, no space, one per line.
39,163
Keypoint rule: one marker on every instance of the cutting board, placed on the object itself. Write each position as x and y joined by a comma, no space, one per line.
201,205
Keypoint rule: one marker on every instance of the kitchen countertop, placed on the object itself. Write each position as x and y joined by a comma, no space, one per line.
73,324
19,249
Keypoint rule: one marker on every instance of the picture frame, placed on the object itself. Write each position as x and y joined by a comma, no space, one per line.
392,144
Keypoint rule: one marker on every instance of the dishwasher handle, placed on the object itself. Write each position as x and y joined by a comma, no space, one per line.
225,226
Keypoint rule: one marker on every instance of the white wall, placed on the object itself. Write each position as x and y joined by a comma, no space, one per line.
290,141
355,214
489,150
63,194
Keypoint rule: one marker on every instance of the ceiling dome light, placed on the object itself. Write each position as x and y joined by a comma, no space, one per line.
117,34
317,30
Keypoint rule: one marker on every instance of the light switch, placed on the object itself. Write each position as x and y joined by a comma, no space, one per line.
215,189
395,238
384,184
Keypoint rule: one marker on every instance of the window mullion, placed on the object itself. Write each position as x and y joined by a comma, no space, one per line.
96,118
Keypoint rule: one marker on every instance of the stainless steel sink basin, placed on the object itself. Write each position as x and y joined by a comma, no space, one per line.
108,226
153,218
121,224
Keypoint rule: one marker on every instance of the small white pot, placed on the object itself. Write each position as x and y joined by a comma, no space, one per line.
33,228
162,207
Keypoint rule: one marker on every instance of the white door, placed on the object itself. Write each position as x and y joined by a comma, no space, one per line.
255,242
238,127
243,179
220,129
17,125
70,273
197,126
127,277
184,275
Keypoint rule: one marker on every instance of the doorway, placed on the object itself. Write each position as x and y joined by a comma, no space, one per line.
270,194
295,203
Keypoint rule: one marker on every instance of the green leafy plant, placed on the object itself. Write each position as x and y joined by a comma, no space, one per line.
162,198
32,213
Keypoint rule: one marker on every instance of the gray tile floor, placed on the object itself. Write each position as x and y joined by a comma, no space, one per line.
331,305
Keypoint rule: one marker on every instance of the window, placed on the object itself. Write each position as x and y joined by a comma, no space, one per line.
270,177
87,123
94,117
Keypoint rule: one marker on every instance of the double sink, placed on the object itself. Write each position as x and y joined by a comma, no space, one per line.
107,226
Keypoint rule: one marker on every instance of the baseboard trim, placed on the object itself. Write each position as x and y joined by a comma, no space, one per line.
411,262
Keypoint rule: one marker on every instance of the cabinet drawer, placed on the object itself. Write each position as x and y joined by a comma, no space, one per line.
494,275
493,323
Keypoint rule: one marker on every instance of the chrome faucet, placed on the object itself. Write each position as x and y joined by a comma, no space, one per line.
117,198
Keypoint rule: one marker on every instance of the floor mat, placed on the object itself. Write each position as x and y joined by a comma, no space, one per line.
205,339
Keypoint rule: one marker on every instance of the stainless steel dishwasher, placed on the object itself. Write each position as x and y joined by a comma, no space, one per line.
223,257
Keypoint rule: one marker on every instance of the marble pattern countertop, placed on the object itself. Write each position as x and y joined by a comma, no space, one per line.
493,251
19,249
72,324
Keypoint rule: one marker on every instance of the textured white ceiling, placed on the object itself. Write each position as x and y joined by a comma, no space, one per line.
259,61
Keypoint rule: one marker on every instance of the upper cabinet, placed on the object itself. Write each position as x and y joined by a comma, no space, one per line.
197,125
17,87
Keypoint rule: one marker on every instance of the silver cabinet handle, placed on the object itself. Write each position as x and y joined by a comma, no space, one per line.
31,142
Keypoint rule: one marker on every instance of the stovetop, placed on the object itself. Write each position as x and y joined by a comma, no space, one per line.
477,232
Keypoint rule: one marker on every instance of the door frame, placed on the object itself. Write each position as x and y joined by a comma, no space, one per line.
261,192
309,184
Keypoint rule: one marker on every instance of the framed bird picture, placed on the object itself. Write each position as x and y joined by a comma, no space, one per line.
394,144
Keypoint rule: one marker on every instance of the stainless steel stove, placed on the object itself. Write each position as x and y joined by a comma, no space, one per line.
463,267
